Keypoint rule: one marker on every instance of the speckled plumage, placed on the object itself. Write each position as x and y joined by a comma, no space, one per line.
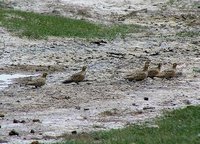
152,72
139,75
38,82
77,77
168,73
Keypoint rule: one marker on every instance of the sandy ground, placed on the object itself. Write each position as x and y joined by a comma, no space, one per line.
105,100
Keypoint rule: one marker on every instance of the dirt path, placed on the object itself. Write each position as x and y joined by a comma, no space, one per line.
105,100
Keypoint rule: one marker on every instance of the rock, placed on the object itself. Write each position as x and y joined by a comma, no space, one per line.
13,132
100,42
74,132
36,120
32,131
86,109
134,104
146,108
146,98
35,142
2,115
188,102
77,107
16,121
23,121
3,141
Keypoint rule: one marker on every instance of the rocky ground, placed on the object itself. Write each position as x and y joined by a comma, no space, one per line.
105,100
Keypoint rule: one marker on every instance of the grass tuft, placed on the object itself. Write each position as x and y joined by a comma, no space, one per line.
176,127
39,26
188,34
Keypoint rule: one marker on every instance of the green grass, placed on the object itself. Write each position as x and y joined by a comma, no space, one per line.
177,127
188,34
38,26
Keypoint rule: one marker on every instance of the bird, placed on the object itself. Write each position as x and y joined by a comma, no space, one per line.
139,75
77,77
152,72
38,82
168,73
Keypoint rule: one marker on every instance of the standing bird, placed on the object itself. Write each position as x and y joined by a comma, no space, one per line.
152,72
77,77
38,82
168,73
139,75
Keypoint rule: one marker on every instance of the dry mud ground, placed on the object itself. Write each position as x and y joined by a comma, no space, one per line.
105,100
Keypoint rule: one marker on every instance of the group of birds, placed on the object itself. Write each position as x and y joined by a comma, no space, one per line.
137,75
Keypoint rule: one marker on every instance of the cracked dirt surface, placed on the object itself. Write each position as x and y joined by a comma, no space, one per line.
105,100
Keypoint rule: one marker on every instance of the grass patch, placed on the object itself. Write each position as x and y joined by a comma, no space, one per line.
170,2
176,127
188,34
38,26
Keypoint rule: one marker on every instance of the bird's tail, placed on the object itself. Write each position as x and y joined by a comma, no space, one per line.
67,81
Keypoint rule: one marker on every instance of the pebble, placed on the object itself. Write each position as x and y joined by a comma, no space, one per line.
32,131
36,120
146,108
16,121
74,132
2,115
34,142
13,132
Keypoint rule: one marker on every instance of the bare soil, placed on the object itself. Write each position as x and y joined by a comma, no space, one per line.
104,100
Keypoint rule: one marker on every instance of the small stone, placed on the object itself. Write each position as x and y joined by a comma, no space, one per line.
67,97
0,126
16,121
146,98
187,102
13,132
2,115
35,142
146,108
77,107
36,120
32,131
23,121
134,104
74,132
86,109
18,101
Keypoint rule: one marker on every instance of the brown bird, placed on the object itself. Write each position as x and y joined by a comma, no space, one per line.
168,73
139,75
77,77
38,82
152,72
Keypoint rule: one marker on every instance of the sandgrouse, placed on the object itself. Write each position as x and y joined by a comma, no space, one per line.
152,72
139,75
77,77
38,82
168,73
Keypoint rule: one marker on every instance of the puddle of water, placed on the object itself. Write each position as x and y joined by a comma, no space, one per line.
6,79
